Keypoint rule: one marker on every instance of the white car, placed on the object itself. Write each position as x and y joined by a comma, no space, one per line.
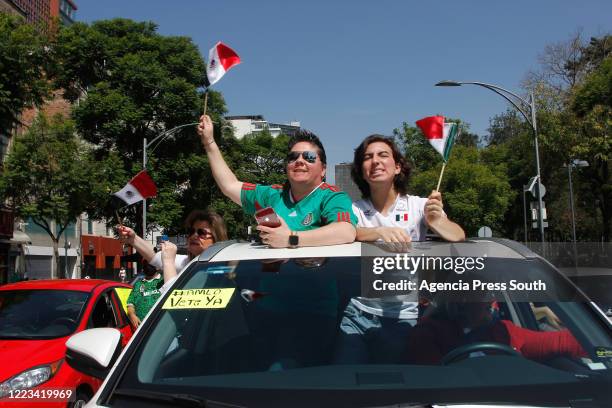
250,326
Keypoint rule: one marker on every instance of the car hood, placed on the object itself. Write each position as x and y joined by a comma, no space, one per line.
20,355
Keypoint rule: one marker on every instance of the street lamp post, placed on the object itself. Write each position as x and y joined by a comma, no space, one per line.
574,163
145,146
530,117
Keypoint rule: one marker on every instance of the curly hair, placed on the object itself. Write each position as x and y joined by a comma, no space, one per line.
219,231
400,183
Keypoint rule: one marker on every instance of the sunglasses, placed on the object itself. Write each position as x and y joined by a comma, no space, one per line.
202,233
308,155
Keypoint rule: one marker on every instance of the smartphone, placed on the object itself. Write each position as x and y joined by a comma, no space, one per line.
267,217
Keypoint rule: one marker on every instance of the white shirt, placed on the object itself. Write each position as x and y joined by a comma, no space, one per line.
407,212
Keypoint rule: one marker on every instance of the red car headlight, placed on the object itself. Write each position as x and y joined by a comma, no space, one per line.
30,378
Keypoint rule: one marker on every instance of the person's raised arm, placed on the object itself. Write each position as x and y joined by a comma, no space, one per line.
437,221
226,179
129,237
168,255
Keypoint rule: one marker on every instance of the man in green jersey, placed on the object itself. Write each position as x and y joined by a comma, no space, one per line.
312,212
144,295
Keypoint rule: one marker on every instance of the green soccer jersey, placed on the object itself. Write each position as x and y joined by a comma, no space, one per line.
144,295
324,205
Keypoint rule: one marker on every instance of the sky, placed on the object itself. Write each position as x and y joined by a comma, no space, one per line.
347,69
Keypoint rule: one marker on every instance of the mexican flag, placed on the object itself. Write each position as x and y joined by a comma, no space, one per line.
440,134
220,59
140,187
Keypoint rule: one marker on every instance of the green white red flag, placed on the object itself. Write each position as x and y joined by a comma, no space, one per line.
220,59
141,186
440,134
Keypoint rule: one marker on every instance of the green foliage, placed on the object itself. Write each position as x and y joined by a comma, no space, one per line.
596,89
51,175
574,121
475,192
475,186
24,62
134,83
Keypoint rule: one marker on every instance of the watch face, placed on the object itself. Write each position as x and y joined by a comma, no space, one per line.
293,240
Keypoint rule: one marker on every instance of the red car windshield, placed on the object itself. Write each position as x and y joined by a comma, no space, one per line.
40,314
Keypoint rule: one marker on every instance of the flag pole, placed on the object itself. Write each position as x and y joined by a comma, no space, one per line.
118,218
205,100
440,179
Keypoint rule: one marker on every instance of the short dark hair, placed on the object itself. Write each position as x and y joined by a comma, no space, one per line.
303,135
219,231
400,183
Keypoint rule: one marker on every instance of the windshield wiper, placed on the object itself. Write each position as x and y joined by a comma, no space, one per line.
182,400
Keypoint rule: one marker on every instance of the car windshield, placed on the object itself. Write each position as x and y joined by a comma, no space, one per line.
235,331
40,314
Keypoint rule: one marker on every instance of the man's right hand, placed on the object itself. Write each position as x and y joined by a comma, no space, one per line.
126,235
393,234
205,130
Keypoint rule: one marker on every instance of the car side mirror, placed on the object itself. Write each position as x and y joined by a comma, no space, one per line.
94,351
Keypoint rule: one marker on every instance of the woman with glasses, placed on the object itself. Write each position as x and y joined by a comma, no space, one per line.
203,228
311,211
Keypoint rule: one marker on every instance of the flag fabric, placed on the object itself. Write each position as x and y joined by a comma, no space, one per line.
220,59
141,186
440,134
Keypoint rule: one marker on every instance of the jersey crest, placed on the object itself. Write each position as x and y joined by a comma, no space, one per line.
307,220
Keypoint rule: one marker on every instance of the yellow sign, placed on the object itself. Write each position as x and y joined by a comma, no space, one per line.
123,294
212,298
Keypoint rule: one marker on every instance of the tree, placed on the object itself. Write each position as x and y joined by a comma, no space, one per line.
25,61
476,190
51,175
134,83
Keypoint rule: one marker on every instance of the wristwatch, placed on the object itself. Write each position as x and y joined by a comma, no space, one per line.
294,240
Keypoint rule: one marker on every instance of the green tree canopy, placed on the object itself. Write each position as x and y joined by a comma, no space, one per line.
475,186
24,64
51,175
134,83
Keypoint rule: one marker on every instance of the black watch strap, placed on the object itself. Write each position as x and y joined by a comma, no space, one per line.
294,240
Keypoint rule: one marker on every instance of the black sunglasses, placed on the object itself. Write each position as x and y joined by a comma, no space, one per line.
201,232
308,155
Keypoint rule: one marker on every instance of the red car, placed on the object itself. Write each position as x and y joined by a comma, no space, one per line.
36,319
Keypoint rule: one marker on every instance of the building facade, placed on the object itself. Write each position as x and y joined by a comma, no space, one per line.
245,125
343,180
42,13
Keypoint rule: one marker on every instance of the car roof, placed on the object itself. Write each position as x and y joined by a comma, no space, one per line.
81,285
498,248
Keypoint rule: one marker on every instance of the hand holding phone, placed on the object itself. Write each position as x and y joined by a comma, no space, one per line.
267,217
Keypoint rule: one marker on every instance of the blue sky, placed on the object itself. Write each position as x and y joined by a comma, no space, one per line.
347,69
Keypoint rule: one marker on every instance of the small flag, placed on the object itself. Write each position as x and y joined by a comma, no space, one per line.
441,135
141,186
401,217
220,59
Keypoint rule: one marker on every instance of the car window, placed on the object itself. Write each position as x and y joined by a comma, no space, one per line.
118,310
297,324
31,314
102,314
